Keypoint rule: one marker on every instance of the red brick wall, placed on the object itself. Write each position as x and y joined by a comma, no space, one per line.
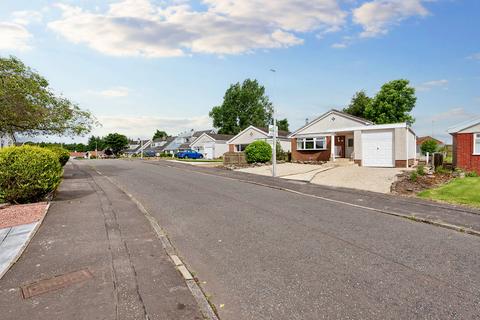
302,155
231,148
463,153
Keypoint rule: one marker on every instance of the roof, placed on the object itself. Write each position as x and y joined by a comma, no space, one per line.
197,134
344,114
421,140
222,137
281,133
185,145
464,125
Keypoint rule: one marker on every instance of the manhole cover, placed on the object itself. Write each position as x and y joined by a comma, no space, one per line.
55,283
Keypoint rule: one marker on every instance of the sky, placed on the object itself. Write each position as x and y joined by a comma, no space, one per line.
142,65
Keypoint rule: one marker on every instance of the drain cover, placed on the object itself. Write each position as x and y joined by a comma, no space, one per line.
55,283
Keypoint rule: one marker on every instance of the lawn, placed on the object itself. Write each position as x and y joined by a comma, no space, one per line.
459,191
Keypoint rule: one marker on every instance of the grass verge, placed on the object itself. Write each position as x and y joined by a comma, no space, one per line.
459,191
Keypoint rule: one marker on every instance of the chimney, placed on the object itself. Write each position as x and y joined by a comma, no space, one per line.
306,121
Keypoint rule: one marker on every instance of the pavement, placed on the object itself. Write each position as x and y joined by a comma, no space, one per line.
95,257
363,178
354,177
265,248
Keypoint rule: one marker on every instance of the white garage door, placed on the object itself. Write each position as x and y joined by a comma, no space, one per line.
209,150
377,148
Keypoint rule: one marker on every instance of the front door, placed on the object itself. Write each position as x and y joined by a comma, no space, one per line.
340,146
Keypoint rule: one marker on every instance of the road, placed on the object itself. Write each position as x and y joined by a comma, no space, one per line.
263,253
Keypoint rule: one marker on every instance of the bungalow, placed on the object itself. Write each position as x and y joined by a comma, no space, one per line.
239,142
367,144
183,140
421,140
466,145
211,145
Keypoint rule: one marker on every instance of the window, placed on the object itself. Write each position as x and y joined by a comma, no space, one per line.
318,143
241,147
350,142
476,143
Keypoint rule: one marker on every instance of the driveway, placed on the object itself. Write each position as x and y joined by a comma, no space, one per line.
363,178
293,171
263,253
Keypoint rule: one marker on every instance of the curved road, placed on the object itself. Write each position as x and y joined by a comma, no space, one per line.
262,253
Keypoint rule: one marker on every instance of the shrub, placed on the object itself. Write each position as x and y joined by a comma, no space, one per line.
421,170
62,154
28,174
471,174
258,151
413,176
281,155
429,146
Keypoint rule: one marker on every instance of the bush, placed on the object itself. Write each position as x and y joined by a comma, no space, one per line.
421,170
280,154
62,154
28,174
258,151
471,174
413,176
429,146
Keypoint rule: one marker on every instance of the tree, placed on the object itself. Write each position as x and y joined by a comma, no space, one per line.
95,143
429,146
28,106
160,135
393,103
116,142
359,103
283,124
243,105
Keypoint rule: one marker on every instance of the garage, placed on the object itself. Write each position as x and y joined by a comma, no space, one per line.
377,148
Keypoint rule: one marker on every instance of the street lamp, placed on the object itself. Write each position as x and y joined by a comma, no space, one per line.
274,148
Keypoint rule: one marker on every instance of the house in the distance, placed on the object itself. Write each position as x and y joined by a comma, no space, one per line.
421,140
6,140
211,145
183,140
136,147
239,142
336,134
466,145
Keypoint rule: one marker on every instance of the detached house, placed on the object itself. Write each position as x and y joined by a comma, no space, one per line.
211,145
336,134
250,134
466,145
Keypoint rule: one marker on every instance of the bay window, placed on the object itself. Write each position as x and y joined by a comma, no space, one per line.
317,143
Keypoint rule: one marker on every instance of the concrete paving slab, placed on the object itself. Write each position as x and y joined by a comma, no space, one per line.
285,169
14,242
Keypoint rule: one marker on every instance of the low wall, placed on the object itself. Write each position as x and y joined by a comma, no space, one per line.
234,158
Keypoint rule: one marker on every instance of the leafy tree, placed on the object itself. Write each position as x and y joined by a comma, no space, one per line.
243,105
283,124
429,146
160,135
116,142
393,103
95,143
29,106
359,103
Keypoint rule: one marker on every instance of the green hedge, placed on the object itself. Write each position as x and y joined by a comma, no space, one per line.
258,152
28,174
63,155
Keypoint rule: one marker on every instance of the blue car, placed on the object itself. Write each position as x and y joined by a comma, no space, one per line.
189,154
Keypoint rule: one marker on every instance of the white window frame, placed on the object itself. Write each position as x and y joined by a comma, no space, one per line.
314,140
476,138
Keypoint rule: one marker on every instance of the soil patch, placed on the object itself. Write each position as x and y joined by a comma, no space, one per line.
406,186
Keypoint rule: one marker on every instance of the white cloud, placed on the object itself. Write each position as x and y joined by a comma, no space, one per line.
140,28
115,92
135,127
428,85
475,56
377,16
339,45
14,36
26,17
454,114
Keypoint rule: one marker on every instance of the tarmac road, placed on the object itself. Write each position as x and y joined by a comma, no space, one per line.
263,253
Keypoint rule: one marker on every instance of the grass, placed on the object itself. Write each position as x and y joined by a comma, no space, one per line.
459,191
199,160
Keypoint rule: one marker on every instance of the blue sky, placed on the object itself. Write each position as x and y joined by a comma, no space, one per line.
139,65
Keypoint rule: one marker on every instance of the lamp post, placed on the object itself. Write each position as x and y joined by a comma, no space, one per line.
274,147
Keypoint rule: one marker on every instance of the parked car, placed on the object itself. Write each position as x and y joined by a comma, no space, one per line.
189,154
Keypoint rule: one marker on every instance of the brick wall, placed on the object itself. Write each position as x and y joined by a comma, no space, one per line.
312,155
463,153
231,148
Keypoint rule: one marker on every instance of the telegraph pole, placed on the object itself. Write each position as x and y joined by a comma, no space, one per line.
274,148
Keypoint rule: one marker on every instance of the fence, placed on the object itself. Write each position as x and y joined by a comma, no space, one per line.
234,159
